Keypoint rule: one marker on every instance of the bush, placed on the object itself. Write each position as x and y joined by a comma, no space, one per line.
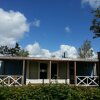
49,92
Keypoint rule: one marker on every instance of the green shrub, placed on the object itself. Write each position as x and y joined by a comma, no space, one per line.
49,92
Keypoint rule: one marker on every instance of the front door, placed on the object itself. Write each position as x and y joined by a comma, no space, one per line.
43,70
54,71
71,64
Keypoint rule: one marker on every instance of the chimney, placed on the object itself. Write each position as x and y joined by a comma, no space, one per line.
64,55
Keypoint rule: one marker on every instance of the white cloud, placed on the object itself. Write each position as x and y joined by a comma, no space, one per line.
13,26
36,51
67,29
36,23
70,51
92,3
95,55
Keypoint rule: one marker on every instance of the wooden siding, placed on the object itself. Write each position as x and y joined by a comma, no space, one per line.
33,70
62,70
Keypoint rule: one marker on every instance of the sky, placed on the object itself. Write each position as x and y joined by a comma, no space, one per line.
48,28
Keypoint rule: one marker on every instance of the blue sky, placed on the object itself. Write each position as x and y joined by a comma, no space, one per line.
48,24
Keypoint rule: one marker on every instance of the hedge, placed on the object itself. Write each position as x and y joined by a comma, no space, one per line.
49,92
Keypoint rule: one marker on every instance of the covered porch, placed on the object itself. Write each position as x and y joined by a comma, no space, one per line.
82,73
23,70
87,74
47,72
12,72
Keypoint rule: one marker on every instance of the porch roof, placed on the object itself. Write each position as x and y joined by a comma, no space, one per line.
47,59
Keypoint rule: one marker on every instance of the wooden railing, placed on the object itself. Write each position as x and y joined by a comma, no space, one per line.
11,80
87,80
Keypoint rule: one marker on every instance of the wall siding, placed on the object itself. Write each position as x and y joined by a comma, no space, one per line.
33,70
62,70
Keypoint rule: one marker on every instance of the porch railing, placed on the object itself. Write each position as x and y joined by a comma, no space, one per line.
87,80
11,80
40,81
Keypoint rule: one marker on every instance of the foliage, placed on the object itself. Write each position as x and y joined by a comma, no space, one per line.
4,50
85,50
95,27
49,92
23,53
14,51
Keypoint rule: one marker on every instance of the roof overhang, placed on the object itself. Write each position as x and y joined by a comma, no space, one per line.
47,59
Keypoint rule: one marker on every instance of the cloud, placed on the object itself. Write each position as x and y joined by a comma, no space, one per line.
36,23
13,26
92,3
36,51
95,55
70,52
67,29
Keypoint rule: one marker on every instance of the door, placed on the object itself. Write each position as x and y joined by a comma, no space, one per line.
43,70
71,64
54,71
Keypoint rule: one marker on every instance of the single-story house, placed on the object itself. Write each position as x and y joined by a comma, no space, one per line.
25,70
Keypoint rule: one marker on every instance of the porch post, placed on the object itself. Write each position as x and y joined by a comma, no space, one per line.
68,73
27,70
75,73
95,69
23,72
49,71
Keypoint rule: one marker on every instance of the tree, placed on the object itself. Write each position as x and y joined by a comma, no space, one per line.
15,51
85,51
23,53
4,50
95,27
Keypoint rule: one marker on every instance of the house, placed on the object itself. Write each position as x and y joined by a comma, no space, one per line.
25,70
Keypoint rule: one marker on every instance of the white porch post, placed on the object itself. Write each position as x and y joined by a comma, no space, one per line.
49,71
23,72
68,73
75,73
95,69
